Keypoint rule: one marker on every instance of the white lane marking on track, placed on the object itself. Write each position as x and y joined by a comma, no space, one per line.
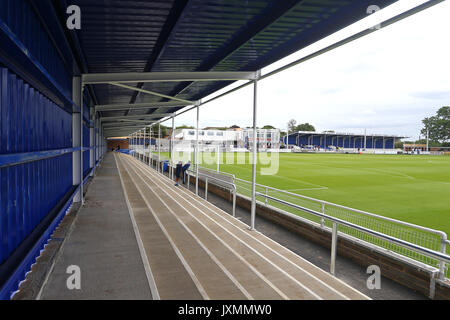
206,204
144,258
177,251
213,257
263,257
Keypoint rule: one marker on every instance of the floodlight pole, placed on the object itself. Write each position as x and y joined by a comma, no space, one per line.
255,144
365,139
196,151
287,138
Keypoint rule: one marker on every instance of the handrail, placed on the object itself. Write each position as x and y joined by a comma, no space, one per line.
219,180
442,234
442,257
219,172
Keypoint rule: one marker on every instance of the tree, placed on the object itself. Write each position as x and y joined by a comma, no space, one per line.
185,127
305,127
155,131
438,126
268,127
291,125
399,145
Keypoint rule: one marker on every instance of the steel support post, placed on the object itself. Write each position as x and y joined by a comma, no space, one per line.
172,138
218,158
76,138
150,162
145,136
159,147
142,143
333,248
255,107
365,139
91,140
287,139
196,151
81,143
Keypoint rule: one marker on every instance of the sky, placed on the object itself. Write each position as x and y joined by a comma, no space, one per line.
385,83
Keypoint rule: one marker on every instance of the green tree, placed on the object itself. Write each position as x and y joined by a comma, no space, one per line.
399,144
268,127
438,126
155,131
185,127
305,127
292,125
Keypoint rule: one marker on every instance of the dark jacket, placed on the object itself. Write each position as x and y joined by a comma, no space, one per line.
178,169
186,167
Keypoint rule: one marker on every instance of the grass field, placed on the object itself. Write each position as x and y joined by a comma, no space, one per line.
414,189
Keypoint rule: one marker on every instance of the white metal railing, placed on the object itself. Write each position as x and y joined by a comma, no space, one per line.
220,181
400,237
442,257
425,237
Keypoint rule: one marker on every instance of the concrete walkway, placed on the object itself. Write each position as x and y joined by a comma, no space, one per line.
194,250
103,245
140,237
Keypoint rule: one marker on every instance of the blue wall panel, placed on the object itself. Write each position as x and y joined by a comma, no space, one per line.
21,19
30,122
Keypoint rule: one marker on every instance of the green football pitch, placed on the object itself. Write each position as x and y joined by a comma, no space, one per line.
415,189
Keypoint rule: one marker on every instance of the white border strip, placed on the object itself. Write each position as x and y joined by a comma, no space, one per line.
263,244
145,261
177,251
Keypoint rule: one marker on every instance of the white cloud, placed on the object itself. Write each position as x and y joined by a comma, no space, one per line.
386,82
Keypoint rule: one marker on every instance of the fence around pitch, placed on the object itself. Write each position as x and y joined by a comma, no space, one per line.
429,238
425,237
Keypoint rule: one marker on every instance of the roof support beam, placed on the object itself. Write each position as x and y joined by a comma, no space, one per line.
172,21
123,128
270,15
130,120
137,117
151,92
153,105
142,77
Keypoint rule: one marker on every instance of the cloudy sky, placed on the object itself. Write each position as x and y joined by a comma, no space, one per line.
386,82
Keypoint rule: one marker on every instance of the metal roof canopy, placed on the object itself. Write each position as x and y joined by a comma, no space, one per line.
178,52
184,50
